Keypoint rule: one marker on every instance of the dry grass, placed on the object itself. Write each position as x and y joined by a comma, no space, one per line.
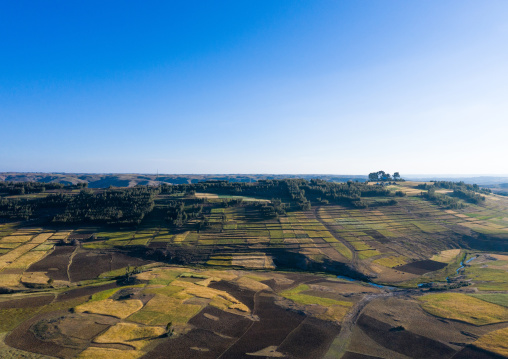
335,313
39,278
220,274
130,334
252,284
209,293
464,308
260,261
120,309
162,309
41,238
161,275
15,239
179,238
496,341
9,280
27,259
103,353
446,256
16,253
60,235
205,195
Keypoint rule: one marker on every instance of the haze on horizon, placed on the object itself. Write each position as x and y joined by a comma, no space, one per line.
326,87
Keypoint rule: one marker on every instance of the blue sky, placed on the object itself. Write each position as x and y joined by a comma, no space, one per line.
339,87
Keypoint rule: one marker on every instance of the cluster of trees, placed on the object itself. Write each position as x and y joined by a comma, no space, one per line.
272,209
442,200
20,188
113,206
469,196
299,193
30,208
455,186
130,205
349,193
382,176
178,214
468,192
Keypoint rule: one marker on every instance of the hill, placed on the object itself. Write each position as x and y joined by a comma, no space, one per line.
274,268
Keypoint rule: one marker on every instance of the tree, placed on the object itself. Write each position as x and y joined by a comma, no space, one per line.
373,177
396,176
169,330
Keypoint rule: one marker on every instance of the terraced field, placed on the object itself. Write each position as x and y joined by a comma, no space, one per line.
414,280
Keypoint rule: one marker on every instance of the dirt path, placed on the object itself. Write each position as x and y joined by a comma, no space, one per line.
348,323
70,263
250,326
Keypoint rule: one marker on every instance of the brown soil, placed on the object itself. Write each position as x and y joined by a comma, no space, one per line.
22,338
345,288
471,352
327,294
206,344
361,343
408,313
421,267
72,326
403,341
84,291
132,293
243,295
88,265
309,340
351,355
55,264
27,302
289,280
274,326
228,324
13,271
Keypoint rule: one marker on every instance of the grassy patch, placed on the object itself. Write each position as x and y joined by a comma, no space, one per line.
161,310
496,298
446,256
391,261
108,293
368,254
296,296
12,317
488,278
114,308
130,334
495,341
464,308
104,353
342,249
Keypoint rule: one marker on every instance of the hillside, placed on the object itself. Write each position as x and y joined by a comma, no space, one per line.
207,269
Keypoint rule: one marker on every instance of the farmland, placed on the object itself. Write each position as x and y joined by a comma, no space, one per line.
287,268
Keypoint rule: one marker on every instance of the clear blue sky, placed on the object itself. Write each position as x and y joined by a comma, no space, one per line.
343,87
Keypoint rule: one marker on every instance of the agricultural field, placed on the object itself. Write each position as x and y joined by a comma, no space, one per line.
209,275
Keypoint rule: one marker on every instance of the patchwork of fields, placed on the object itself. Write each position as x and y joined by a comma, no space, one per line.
415,280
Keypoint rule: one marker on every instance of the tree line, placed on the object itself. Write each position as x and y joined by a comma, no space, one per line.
111,206
21,188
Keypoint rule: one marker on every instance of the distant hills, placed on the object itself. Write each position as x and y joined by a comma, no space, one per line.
104,180
130,180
